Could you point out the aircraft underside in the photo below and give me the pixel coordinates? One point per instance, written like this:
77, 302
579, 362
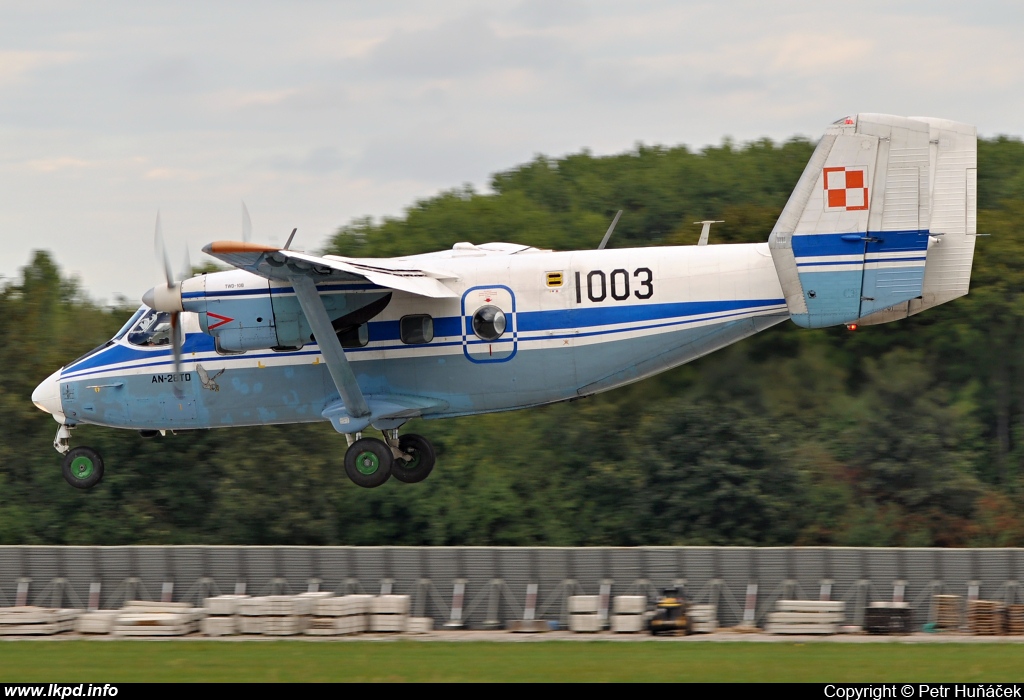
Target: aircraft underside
296, 387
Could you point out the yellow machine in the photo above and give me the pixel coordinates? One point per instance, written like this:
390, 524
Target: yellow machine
670, 614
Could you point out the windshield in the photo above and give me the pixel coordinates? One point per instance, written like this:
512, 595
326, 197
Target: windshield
154, 328
129, 323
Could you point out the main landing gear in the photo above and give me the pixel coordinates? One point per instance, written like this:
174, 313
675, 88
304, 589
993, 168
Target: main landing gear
370, 462
82, 466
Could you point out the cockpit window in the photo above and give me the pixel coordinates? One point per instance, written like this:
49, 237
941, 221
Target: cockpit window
131, 322
153, 329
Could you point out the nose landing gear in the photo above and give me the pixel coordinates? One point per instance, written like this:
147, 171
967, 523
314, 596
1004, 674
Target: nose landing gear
370, 462
82, 467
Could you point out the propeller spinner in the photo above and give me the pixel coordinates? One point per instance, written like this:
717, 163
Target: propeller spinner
167, 297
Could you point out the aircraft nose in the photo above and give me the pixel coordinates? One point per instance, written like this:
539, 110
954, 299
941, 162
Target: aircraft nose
46, 397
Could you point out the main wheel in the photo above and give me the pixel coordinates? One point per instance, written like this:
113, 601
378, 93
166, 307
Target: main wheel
82, 467
421, 464
368, 462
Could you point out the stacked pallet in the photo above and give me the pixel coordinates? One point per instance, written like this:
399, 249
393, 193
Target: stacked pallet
1015, 619
419, 625
342, 615
221, 615
947, 609
887, 618
96, 622
143, 618
986, 617
703, 618
29, 619
806, 617
628, 613
583, 613
310, 599
250, 615
389, 613
284, 615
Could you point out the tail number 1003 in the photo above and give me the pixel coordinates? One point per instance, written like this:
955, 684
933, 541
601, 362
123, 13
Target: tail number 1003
615, 284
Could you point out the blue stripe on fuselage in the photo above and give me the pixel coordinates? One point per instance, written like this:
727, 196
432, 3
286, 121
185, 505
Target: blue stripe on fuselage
568, 319
450, 326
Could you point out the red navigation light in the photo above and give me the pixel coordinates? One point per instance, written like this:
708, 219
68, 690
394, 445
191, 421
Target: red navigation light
851, 326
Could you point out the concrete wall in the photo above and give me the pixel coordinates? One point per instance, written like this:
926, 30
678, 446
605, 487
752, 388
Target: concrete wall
496, 577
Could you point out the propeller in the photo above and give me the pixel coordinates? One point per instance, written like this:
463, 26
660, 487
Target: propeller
246, 225
167, 297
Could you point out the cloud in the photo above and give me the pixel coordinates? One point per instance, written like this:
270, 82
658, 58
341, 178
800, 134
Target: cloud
544, 13
50, 165
461, 47
171, 74
15, 66
317, 161
436, 155
178, 174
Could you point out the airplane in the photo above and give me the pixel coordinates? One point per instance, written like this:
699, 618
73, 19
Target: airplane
880, 226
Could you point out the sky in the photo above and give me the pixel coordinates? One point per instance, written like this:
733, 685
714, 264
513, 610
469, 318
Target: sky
318, 112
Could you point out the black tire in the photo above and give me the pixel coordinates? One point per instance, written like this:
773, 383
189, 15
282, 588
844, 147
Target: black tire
368, 462
82, 467
422, 463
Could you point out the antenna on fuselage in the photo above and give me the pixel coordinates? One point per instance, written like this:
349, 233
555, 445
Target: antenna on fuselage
608, 233
706, 230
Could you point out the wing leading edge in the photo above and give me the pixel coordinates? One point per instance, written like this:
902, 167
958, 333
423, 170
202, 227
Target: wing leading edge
283, 265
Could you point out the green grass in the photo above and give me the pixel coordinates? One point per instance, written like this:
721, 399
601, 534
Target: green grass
296, 661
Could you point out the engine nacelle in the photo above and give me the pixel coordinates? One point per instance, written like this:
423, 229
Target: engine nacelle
244, 312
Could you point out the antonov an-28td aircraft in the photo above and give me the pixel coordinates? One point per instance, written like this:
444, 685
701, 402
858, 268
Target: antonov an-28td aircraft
881, 226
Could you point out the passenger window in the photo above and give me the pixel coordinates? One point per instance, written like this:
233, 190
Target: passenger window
153, 329
416, 330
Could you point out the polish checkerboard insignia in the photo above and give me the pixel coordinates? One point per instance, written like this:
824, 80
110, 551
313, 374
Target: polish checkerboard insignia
846, 188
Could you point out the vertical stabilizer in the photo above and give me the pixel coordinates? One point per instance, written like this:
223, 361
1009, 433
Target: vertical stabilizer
854, 236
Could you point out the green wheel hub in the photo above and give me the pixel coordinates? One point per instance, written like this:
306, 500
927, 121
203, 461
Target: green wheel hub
412, 464
82, 467
367, 463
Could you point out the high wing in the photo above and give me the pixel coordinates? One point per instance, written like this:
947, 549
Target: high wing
278, 264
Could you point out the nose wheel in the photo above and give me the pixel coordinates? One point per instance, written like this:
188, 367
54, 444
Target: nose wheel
82, 467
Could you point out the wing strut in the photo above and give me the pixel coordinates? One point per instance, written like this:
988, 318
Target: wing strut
330, 346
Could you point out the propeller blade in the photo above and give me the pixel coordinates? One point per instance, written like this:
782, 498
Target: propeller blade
246, 225
176, 343
186, 269
161, 251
